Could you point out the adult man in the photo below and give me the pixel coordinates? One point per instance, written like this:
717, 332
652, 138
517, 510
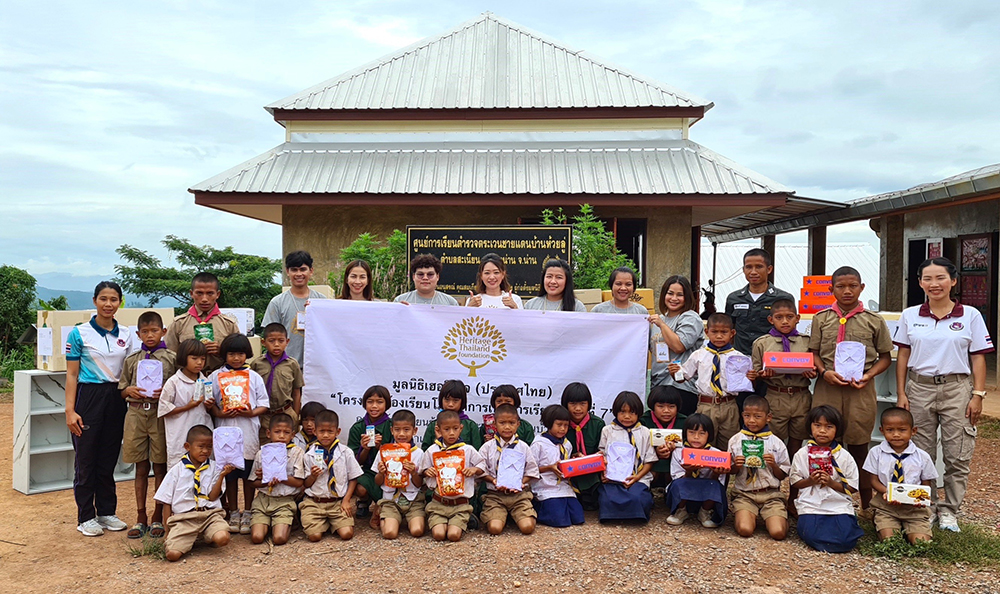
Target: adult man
426, 270
287, 307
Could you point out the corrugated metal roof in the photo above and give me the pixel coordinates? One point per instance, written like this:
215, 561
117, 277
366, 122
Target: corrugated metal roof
488, 62
796, 206
663, 167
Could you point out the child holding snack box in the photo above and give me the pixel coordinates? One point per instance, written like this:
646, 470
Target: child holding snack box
505, 394
365, 438
898, 464
555, 497
825, 475
329, 487
240, 399
761, 462
664, 403
183, 402
505, 493
585, 433
454, 396
450, 467
696, 488
274, 506
624, 494
307, 431
398, 476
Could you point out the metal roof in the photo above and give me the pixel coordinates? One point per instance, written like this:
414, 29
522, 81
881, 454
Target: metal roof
488, 62
661, 167
794, 207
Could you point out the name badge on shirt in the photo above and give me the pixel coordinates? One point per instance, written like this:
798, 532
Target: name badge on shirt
662, 352
300, 320
741, 306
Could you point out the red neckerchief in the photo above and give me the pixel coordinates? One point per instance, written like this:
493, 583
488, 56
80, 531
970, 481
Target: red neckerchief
580, 445
215, 312
660, 425
842, 331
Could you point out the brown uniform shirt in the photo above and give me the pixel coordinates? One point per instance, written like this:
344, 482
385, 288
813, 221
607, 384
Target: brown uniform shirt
771, 344
166, 357
182, 328
866, 327
287, 377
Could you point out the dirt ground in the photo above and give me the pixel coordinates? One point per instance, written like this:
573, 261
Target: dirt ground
41, 551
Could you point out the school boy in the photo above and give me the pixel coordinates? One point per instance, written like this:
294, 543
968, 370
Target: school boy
204, 310
448, 516
757, 485
407, 503
332, 478
307, 431
426, 271
499, 501
855, 400
274, 505
287, 307
282, 377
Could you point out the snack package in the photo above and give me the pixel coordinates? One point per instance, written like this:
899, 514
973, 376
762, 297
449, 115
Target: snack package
753, 453
820, 458
450, 480
234, 390
204, 332
394, 455
489, 426
658, 437
915, 495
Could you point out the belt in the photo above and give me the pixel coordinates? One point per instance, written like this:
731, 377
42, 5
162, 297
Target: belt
451, 501
936, 379
275, 411
791, 390
715, 399
324, 499
146, 405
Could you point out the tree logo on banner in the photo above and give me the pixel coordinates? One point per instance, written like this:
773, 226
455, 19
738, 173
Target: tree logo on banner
474, 343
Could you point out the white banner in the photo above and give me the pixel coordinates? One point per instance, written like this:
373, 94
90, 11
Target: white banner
412, 350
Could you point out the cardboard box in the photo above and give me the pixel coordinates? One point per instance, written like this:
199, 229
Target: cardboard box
794, 363
583, 465
819, 294
817, 281
706, 458
326, 290
811, 308
658, 437
915, 495
244, 316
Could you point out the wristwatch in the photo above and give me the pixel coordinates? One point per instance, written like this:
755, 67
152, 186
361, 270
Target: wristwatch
980, 393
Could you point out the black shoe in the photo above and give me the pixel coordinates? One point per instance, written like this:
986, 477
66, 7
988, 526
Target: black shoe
363, 511
473, 523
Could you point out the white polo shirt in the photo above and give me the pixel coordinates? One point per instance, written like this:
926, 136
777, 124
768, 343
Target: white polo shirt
942, 346
917, 466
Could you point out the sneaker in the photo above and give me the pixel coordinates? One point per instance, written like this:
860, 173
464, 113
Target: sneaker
677, 518
111, 523
947, 521
234, 522
90, 528
245, 523
705, 517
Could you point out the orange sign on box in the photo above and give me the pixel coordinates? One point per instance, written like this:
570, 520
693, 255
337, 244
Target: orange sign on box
811, 308
789, 362
706, 458
583, 465
816, 281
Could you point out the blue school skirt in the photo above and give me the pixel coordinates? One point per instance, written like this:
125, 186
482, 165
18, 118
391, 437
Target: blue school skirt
615, 502
696, 491
832, 534
559, 512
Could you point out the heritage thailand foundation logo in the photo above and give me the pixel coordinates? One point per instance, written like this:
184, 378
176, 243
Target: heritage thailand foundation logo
474, 343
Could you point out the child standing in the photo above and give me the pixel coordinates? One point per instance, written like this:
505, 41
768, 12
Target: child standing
376, 401
897, 460
203, 321
282, 377
507, 394
708, 366
235, 350
274, 506
307, 434
145, 439
555, 496
454, 396
585, 433
182, 402
664, 413
629, 499
333, 476
407, 504
448, 517
826, 519
855, 400
757, 484
499, 501
694, 487
190, 496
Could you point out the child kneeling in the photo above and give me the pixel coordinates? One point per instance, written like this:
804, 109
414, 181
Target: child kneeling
555, 496
407, 503
501, 500
274, 506
757, 482
333, 476
694, 489
631, 498
448, 515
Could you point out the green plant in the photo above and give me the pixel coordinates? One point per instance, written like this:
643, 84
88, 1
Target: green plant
146, 546
989, 428
59, 303
974, 545
17, 297
17, 358
388, 263
595, 254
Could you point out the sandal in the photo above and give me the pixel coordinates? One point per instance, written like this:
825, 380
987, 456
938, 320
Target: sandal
373, 521
137, 531
156, 530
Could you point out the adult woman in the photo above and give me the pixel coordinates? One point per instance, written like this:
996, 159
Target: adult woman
357, 283
95, 410
622, 284
556, 293
681, 329
493, 290
940, 344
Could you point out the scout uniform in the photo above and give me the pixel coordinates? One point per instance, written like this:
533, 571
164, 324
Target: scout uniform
557, 502
525, 432
694, 490
714, 398
250, 426
383, 427
453, 511
182, 328
192, 513
750, 315
470, 433
756, 490
826, 519
787, 394
321, 507
179, 390
497, 505
859, 407
145, 438
912, 466
273, 506
648, 420
403, 504
616, 501
586, 437
281, 378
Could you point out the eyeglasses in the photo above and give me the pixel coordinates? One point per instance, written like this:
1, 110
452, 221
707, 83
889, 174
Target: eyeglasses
424, 274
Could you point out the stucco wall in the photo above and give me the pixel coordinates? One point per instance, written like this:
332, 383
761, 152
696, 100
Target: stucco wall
952, 221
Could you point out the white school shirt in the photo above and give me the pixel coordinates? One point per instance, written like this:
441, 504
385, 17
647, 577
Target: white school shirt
472, 459
178, 391
295, 468
177, 488
765, 478
491, 458
411, 492
942, 347
699, 366
249, 425
917, 466
677, 471
496, 302
819, 499
613, 432
548, 485
300, 440
345, 469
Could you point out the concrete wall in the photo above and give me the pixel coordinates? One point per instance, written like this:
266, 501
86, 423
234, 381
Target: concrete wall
952, 221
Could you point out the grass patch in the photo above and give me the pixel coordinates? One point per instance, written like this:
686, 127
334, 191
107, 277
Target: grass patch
16, 359
989, 428
974, 546
146, 546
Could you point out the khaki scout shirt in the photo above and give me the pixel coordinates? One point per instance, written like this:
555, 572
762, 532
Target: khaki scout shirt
866, 327
772, 344
166, 357
182, 328
287, 377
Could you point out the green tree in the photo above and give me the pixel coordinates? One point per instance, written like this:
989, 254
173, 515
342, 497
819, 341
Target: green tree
59, 303
595, 254
17, 296
246, 280
388, 263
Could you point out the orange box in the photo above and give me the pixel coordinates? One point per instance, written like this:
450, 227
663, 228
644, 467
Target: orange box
706, 458
583, 465
789, 362
816, 294
811, 308
818, 280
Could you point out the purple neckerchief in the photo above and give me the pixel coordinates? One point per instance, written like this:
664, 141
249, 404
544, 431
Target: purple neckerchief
462, 416
368, 420
150, 351
273, 364
786, 345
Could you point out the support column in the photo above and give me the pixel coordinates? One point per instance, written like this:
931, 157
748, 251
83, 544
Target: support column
816, 258
767, 242
696, 259
892, 276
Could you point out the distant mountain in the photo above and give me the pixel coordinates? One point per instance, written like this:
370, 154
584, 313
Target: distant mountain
85, 299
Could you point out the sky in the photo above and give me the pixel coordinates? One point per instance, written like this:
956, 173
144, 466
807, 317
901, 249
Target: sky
111, 111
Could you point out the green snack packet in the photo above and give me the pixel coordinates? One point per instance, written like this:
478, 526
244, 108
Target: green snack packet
204, 332
753, 453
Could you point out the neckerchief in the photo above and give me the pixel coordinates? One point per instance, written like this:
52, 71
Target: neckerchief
150, 351
842, 331
898, 476
834, 448
694, 472
455, 446
231, 368
368, 420
306, 438
274, 364
197, 470
211, 314
631, 440
581, 446
328, 460
752, 472
564, 454
462, 416
659, 425
786, 344
500, 446
717, 366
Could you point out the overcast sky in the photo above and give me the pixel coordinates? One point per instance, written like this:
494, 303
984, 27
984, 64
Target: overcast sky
112, 110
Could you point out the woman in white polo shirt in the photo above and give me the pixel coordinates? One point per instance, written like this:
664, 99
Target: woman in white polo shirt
941, 344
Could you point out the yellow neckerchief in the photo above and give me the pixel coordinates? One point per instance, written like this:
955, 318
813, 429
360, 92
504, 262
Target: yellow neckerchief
455, 446
500, 446
752, 472
309, 440
695, 472
564, 454
898, 475
717, 366
834, 448
328, 460
197, 470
